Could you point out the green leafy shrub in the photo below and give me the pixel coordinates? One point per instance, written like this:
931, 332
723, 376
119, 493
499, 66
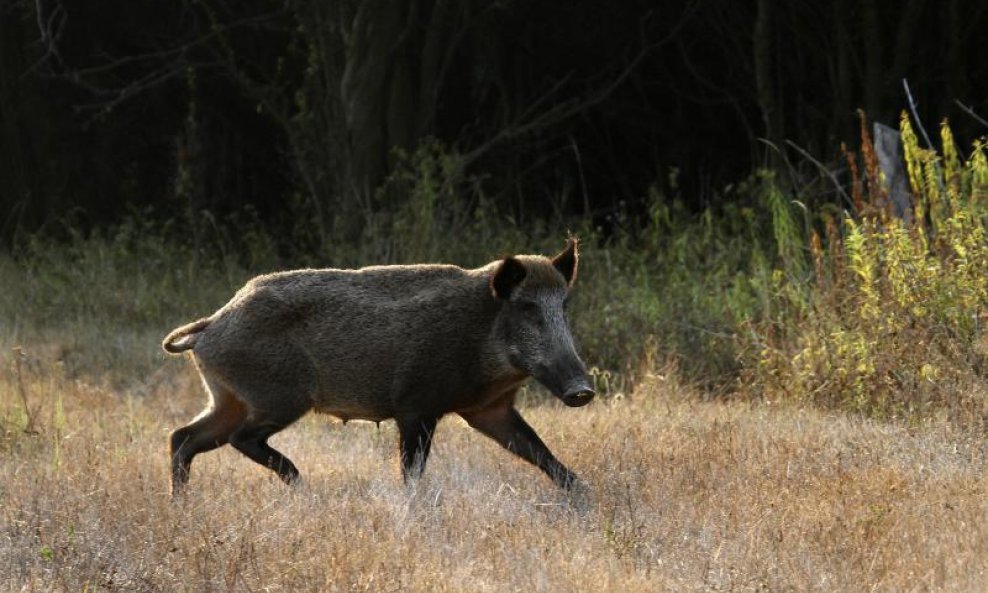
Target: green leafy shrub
893, 326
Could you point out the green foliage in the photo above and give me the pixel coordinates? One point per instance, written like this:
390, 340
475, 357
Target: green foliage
674, 290
894, 323
683, 289
426, 197
865, 312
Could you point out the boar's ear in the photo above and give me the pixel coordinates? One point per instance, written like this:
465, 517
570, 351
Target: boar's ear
566, 262
507, 277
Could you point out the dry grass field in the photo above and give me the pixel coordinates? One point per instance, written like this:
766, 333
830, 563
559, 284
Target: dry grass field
683, 495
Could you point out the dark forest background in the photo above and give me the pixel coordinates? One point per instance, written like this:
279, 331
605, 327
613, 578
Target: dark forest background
300, 109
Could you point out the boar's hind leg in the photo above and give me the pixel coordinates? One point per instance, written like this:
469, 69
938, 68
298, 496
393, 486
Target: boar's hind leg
504, 424
208, 431
251, 439
415, 436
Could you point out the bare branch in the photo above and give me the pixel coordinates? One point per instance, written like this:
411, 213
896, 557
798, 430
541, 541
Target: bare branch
51, 29
531, 119
172, 62
806, 155
128, 92
912, 108
970, 111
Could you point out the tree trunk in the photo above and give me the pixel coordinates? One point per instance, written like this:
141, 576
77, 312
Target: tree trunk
843, 79
764, 78
395, 66
871, 37
367, 80
958, 84
19, 176
317, 135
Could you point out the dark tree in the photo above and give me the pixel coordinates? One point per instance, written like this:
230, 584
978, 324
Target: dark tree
295, 108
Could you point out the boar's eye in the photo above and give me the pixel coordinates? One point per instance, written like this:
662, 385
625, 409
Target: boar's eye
530, 311
529, 307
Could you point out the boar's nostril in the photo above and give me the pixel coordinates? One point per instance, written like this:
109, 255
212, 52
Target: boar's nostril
578, 397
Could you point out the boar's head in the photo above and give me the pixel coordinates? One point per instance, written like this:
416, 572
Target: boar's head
532, 325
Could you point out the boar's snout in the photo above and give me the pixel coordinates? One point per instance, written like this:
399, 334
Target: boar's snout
564, 374
575, 391
579, 396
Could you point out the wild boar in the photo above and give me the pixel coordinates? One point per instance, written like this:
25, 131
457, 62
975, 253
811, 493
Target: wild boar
408, 342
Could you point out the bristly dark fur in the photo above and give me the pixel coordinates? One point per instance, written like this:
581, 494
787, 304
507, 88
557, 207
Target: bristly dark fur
411, 343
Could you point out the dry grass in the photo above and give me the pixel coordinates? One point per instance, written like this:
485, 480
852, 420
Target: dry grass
684, 495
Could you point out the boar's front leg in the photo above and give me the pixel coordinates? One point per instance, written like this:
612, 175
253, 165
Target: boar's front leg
415, 434
504, 424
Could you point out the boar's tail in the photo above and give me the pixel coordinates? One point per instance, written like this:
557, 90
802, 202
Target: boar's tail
184, 338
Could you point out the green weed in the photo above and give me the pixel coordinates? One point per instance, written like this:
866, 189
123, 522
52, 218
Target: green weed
893, 326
